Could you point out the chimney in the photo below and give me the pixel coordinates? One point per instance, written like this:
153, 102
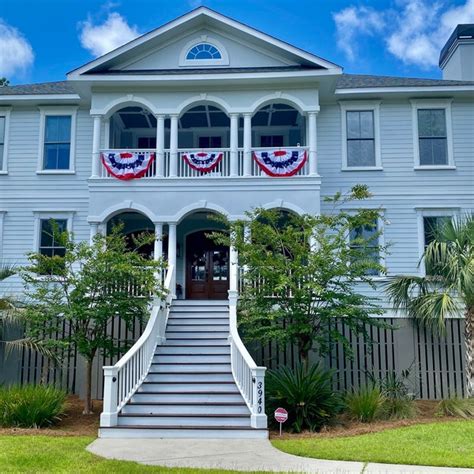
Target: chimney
457, 57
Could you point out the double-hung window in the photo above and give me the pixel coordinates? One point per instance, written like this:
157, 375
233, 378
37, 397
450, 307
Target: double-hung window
432, 134
57, 136
360, 135
48, 242
365, 241
4, 122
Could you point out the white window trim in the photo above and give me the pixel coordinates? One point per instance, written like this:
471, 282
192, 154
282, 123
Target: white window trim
361, 105
430, 212
224, 61
65, 111
2, 217
5, 112
445, 104
43, 215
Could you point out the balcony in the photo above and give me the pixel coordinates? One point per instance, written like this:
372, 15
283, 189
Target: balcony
169, 166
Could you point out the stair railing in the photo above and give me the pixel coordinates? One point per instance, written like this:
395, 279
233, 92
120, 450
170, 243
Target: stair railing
122, 380
249, 377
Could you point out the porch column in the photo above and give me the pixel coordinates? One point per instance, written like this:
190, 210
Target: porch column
247, 144
158, 247
94, 231
160, 145
234, 145
233, 269
96, 147
172, 255
174, 146
312, 143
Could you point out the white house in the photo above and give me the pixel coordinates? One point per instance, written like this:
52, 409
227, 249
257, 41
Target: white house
208, 115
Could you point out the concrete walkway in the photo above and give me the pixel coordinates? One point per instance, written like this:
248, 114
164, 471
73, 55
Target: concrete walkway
240, 455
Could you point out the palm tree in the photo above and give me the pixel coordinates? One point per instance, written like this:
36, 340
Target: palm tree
448, 287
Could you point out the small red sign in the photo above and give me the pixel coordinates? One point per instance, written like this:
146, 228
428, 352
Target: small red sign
281, 415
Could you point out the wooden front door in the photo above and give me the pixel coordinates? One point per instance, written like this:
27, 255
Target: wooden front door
207, 268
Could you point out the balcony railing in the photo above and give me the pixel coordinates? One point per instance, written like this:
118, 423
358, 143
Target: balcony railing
181, 169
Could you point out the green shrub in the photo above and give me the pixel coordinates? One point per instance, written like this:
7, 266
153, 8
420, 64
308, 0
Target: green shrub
31, 406
398, 408
459, 407
307, 395
365, 404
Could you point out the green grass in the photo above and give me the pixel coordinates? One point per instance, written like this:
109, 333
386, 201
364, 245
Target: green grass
449, 444
46, 454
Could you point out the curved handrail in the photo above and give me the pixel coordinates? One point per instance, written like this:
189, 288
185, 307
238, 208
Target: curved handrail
122, 380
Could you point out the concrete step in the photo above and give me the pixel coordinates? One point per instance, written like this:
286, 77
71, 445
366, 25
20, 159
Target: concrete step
193, 350
187, 387
196, 342
192, 310
188, 419
194, 377
209, 408
191, 359
201, 432
182, 397
177, 303
172, 335
190, 367
196, 328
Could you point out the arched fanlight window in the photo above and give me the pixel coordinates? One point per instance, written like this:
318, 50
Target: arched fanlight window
204, 51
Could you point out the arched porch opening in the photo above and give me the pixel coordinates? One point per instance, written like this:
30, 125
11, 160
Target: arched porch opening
203, 127
202, 264
132, 225
278, 124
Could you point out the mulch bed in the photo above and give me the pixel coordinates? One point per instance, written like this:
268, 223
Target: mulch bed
347, 427
73, 423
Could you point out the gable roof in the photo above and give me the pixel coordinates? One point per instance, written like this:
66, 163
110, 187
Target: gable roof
204, 15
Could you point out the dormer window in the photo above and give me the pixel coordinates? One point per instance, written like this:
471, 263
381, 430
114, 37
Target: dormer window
203, 51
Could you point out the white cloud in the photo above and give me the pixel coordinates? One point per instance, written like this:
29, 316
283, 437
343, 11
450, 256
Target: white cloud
101, 38
16, 53
423, 28
414, 33
353, 22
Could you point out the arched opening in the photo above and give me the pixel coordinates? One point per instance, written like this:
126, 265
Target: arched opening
133, 224
203, 272
278, 125
203, 127
132, 127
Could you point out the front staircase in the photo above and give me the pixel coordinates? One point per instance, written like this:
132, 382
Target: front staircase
189, 390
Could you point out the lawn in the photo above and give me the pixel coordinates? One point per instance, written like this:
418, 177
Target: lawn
66, 454
448, 444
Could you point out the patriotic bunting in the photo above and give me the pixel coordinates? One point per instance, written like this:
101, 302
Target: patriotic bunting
280, 163
203, 161
127, 165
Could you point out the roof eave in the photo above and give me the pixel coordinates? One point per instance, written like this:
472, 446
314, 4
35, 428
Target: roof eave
403, 89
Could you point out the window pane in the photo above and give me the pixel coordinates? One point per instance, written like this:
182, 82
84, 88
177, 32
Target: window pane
360, 153
433, 151
46, 237
431, 225
50, 157
438, 123
367, 124
1, 157
424, 123
353, 125
369, 248
58, 128
2, 130
63, 156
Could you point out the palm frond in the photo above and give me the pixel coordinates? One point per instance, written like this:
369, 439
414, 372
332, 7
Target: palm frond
30, 344
6, 270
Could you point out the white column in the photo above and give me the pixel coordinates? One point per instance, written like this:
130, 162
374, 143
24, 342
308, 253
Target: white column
172, 242
96, 147
94, 231
234, 145
312, 143
233, 269
247, 144
160, 145
158, 247
109, 415
174, 146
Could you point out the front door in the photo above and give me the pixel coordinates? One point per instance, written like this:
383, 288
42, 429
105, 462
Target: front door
207, 268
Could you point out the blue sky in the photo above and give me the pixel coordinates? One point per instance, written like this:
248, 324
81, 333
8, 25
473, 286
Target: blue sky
43, 40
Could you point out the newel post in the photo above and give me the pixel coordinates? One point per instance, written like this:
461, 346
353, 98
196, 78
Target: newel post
258, 418
109, 414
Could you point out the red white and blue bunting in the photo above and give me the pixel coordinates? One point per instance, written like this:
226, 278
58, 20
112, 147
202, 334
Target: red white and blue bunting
204, 161
280, 163
127, 165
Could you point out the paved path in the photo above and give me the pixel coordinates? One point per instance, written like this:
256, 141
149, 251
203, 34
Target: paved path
239, 454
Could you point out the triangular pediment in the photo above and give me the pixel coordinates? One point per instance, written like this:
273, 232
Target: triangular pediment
203, 40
